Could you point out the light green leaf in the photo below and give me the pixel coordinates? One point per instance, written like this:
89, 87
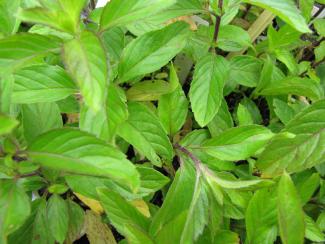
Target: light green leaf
221, 121
151, 180
42, 83
296, 86
120, 212
58, 217
159, 19
207, 87
31, 46
284, 112
286, 10
261, 218
243, 115
173, 107
298, 153
85, 59
306, 184
14, 207
319, 25
228, 181
77, 152
245, 70
144, 131
114, 42
140, 56
148, 90
313, 232
117, 111
233, 38
192, 209
123, 12
290, 214
39, 118
7, 124
306, 7
176, 202
36, 228
238, 143
60, 14
6, 87
8, 22
320, 52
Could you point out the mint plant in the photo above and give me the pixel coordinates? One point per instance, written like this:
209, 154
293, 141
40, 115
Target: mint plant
162, 121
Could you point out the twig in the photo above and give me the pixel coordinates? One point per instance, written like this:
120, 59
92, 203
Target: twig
29, 175
196, 161
218, 22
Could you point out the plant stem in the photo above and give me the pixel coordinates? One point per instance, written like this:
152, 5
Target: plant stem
218, 22
196, 161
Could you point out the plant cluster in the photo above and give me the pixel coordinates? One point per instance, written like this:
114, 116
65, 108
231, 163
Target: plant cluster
162, 121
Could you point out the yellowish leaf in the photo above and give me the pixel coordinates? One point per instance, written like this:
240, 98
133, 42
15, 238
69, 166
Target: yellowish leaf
91, 203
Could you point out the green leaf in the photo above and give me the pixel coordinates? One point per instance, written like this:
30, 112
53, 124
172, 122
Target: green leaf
226, 236
7, 124
14, 207
313, 232
261, 218
306, 184
221, 121
48, 117
158, 20
31, 46
320, 52
59, 14
294, 85
237, 143
284, 112
149, 90
8, 22
123, 12
290, 214
58, 217
36, 228
117, 110
286, 10
144, 131
228, 181
176, 202
76, 221
173, 107
306, 7
151, 180
233, 38
319, 26
85, 59
120, 212
243, 115
245, 70
114, 42
41, 84
6, 87
104, 123
140, 55
207, 87
188, 214
300, 152
77, 152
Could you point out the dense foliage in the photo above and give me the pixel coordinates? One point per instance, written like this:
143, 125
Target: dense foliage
162, 121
